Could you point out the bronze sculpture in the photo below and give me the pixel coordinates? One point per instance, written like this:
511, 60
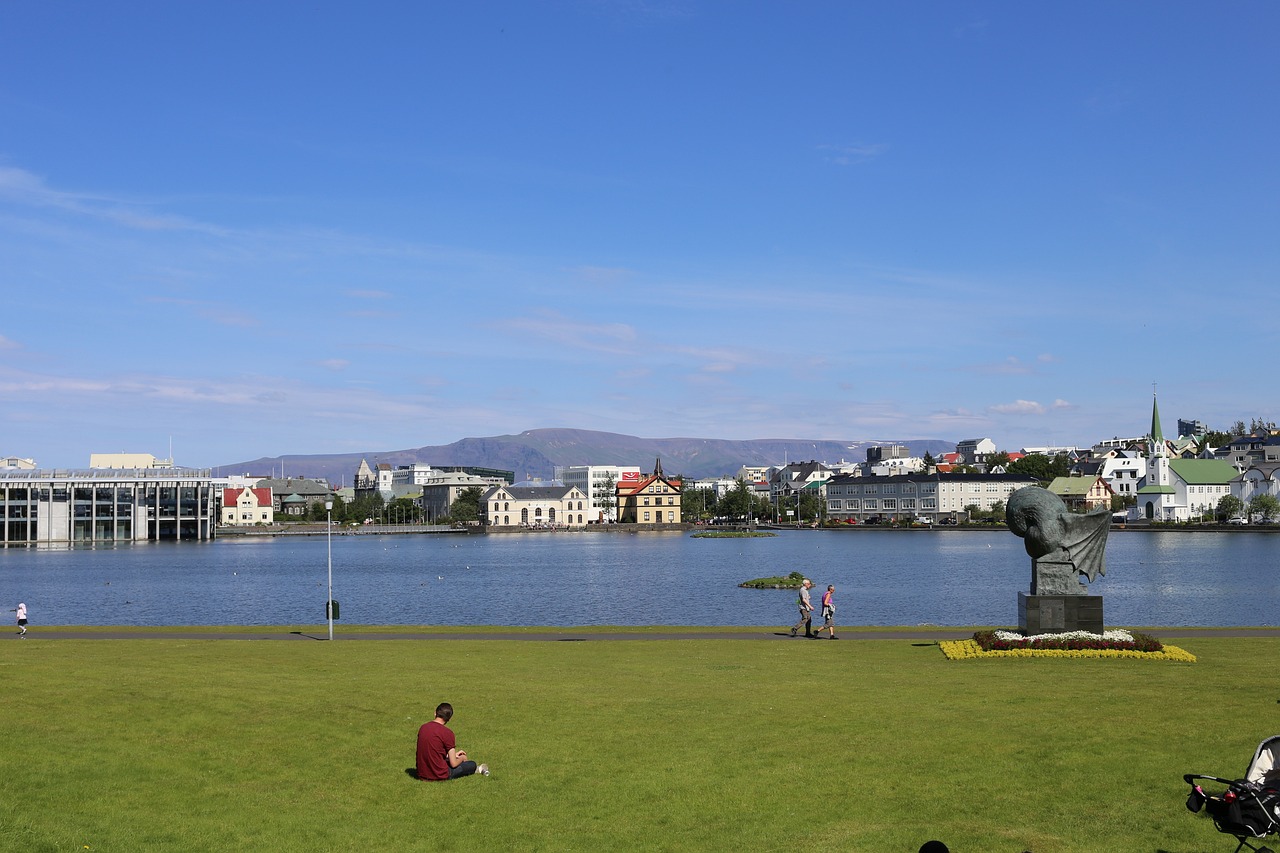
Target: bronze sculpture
1062, 545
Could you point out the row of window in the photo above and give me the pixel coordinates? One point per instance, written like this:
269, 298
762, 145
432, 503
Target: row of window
882, 503
671, 517
506, 507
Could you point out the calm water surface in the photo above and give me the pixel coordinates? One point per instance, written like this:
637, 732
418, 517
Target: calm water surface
881, 578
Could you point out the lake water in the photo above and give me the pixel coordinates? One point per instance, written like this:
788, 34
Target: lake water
567, 579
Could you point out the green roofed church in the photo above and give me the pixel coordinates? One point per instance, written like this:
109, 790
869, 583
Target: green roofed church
1180, 489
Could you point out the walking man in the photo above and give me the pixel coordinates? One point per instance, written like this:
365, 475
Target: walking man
806, 610
829, 612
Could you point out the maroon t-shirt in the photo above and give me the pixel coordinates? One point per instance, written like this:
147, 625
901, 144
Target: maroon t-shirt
434, 742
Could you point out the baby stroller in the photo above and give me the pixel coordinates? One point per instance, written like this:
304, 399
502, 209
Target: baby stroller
1250, 807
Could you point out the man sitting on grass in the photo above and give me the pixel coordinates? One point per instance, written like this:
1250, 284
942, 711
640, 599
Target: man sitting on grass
438, 756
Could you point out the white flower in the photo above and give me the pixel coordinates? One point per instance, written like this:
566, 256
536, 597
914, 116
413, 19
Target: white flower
1115, 635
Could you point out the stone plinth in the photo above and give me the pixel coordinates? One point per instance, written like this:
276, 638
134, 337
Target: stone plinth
1055, 614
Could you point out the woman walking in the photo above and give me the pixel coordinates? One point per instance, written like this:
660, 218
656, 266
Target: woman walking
828, 613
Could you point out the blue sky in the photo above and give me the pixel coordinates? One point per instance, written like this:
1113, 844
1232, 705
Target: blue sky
256, 229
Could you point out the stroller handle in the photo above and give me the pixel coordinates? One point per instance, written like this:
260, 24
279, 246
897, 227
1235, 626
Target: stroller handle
1190, 779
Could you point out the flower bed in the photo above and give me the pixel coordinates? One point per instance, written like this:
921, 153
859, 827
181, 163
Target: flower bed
1075, 644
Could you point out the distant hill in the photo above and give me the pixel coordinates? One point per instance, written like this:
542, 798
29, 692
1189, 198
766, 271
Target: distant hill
537, 452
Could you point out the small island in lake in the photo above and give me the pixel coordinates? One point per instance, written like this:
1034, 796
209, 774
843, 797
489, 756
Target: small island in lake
791, 581
731, 534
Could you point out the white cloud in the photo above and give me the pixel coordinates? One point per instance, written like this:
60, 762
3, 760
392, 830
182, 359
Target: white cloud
1018, 407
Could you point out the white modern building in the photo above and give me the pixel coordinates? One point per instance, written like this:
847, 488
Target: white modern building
594, 482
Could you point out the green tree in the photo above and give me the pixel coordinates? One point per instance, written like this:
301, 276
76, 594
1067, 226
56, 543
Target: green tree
1238, 429
737, 503
1265, 505
466, 506
1217, 439
929, 461
999, 459
698, 504
319, 513
1041, 467
606, 496
1230, 506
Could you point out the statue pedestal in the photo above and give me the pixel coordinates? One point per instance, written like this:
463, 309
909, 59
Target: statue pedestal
1055, 614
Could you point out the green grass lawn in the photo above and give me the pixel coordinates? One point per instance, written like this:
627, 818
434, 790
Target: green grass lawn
873, 745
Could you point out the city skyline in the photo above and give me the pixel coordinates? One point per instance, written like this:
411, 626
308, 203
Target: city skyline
249, 231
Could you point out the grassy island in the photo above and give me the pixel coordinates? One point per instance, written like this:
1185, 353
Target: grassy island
791, 581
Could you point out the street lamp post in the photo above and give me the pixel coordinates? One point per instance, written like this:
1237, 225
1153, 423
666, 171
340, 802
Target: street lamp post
328, 514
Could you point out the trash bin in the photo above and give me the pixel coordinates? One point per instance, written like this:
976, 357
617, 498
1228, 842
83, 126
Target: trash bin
334, 604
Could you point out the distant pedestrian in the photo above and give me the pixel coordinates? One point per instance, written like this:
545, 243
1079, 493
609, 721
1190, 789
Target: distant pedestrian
806, 610
21, 610
828, 613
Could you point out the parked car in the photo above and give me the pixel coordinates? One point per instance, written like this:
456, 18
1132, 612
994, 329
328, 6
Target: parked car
1237, 520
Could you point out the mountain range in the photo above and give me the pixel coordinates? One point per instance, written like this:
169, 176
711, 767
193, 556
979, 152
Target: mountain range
536, 453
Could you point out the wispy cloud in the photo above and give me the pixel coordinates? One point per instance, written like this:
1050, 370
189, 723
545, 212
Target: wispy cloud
215, 312
8, 343
614, 338
1011, 366
368, 294
24, 187
601, 275
849, 155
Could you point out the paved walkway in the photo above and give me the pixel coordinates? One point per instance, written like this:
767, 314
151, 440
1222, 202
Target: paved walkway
920, 635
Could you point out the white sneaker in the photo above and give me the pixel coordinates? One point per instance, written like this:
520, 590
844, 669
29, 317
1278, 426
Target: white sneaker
483, 769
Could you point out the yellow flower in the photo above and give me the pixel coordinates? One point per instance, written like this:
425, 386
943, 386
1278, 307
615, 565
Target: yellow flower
969, 649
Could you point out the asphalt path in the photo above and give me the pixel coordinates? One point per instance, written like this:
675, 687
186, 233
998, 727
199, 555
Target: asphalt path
927, 635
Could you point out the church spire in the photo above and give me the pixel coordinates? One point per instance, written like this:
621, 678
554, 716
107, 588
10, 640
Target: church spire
657, 468
1157, 434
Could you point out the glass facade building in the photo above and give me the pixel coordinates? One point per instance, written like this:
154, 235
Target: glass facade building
103, 505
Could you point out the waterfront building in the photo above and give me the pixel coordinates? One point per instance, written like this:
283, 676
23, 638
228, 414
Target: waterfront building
1082, 493
653, 500
594, 482
442, 488
1122, 469
927, 497
533, 504
1261, 478
247, 505
85, 506
1179, 489
295, 496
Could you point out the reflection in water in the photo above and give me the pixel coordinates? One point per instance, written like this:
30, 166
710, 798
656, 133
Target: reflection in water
881, 577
